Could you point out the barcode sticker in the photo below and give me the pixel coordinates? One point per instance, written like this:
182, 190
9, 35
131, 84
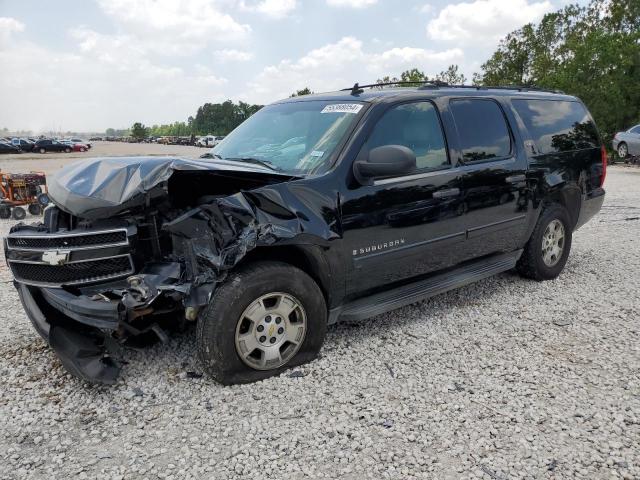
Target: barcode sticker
342, 108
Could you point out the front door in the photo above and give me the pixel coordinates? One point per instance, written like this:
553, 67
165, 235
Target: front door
402, 227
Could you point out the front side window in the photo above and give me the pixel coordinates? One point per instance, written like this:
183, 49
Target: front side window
298, 138
482, 129
557, 126
416, 126
635, 130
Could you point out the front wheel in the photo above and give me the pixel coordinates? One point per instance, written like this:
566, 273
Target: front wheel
42, 150
547, 251
67, 150
263, 319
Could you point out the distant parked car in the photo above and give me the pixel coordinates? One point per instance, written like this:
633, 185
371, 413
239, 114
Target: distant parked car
75, 146
83, 142
209, 141
627, 143
95, 139
44, 146
8, 148
23, 144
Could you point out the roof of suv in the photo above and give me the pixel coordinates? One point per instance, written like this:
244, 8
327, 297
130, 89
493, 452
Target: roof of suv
374, 95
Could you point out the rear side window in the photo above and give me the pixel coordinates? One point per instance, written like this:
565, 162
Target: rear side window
482, 129
557, 126
416, 126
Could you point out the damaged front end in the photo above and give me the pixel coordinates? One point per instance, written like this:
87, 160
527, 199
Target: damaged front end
132, 247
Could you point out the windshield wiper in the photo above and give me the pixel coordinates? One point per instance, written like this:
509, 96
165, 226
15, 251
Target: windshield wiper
210, 155
257, 161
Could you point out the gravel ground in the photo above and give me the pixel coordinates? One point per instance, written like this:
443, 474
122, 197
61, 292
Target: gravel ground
506, 378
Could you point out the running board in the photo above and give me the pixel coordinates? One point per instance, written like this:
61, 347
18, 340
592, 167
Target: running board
407, 294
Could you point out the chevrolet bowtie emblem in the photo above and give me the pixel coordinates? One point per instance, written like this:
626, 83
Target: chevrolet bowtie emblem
55, 257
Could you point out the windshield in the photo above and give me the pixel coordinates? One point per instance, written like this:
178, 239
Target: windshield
298, 138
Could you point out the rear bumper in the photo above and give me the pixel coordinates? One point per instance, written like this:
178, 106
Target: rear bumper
591, 205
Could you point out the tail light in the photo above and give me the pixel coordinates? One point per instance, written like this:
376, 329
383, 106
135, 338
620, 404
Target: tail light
603, 175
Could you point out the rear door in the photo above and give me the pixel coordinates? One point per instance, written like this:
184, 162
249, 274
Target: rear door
494, 183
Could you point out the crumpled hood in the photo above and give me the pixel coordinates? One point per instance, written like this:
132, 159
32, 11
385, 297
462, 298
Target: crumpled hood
102, 187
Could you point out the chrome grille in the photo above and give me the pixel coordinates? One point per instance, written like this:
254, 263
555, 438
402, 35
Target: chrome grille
68, 241
69, 258
72, 273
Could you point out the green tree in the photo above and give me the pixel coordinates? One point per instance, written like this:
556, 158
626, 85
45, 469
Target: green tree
590, 51
452, 76
299, 93
139, 131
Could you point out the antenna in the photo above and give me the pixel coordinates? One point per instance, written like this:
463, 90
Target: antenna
356, 90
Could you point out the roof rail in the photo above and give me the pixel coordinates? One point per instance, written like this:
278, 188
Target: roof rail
428, 84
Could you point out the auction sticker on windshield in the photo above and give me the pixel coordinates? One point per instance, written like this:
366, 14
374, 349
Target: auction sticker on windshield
342, 108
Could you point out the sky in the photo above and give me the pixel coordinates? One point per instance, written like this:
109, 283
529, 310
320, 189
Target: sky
86, 65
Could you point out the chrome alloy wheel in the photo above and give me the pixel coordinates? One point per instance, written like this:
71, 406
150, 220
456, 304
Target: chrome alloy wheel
622, 150
270, 331
553, 243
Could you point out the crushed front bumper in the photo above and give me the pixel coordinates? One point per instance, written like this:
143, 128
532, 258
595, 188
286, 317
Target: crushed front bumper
87, 327
85, 350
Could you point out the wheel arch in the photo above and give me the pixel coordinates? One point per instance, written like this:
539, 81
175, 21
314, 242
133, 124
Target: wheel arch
568, 196
310, 259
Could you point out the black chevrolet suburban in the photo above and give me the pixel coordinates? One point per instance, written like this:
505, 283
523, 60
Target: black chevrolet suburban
316, 209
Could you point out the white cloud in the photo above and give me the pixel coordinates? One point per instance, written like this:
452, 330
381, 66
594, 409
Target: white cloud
484, 21
9, 26
169, 26
341, 64
107, 82
271, 8
351, 3
232, 55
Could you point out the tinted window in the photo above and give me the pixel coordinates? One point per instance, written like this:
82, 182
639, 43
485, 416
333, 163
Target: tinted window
416, 126
557, 126
635, 129
482, 129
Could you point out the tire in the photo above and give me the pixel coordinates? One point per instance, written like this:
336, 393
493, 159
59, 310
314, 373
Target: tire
18, 213
42, 150
5, 211
35, 209
67, 150
221, 325
534, 263
623, 150
82, 149
43, 199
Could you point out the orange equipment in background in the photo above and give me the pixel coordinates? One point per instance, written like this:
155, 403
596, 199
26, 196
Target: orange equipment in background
19, 189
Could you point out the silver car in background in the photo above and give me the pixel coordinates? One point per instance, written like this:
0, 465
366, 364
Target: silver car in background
627, 143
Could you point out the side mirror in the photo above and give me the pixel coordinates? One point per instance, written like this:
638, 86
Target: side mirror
385, 161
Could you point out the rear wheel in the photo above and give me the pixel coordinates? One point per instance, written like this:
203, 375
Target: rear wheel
546, 252
623, 150
67, 150
42, 150
18, 213
263, 319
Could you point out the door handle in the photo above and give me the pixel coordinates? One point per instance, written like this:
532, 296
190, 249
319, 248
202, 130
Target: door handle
516, 179
452, 192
